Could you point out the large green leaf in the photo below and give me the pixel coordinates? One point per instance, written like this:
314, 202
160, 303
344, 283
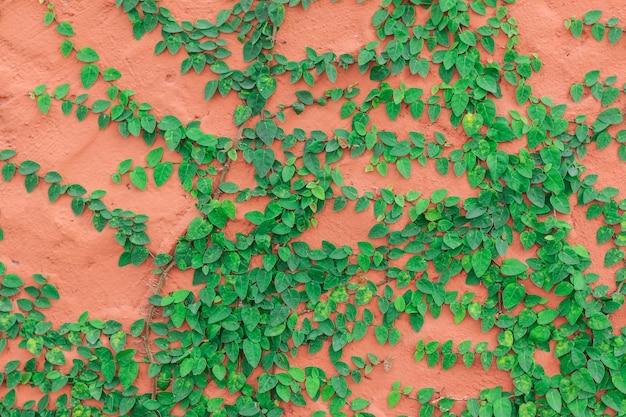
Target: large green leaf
512, 266
198, 228
512, 295
89, 75
263, 159
481, 260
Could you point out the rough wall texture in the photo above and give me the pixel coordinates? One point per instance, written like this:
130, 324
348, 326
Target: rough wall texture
45, 238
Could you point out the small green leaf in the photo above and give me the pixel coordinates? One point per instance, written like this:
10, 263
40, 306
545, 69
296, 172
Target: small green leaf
611, 116
89, 75
378, 230
481, 260
12, 281
111, 74
576, 91
162, 172
404, 167
613, 256
87, 54
210, 89
263, 159
55, 356
139, 178
28, 167
347, 109
198, 228
358, 404
592, 16
266, 85
154, 157
43, 102
65, 29
512, 295
512, 266
242, 113
591, 77
502, 407
393, 398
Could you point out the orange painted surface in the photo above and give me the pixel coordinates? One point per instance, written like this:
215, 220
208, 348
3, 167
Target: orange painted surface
47, 238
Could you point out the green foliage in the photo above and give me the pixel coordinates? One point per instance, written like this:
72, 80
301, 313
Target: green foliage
598, 27
260, 297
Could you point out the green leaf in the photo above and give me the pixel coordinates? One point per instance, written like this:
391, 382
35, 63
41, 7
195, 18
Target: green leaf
263, 159
615, 33
111, 74
12, 281
266, 85
591, 77
592, 16
604, 234
305, 97
502, 407
487, 83
393, 398
198, 228
560, 203
598, 321
87, 54
512, 266
497, 164
43, 102
378, 230
162, 172
139, 178
481, 260
49, 291
242, 113
613, 256
7, 154
169, 122
65, 29
425, 394
472, 123
340, 386
210, 89
576, 27
576, 91
347, 109
553, 397
55, 356
523, 93
512, 295
128, 373
100, 105
597, 31
611, 116
154, 157
252, 351
89, 75
266, 130
404, 167
67, 47
358, 404
28, 167
379, 73
554, 182
618, 377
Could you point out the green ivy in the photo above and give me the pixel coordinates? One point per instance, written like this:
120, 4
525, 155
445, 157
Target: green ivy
259, 298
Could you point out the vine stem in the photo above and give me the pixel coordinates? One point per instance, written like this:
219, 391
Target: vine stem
226, 167
149, 318
164, 274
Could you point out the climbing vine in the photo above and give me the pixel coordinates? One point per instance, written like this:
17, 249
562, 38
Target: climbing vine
225, 344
